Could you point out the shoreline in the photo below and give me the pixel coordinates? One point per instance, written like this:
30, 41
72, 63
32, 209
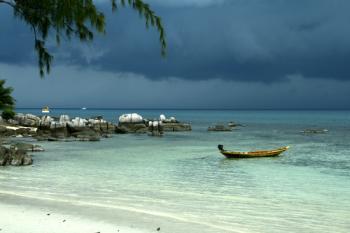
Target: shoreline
87, 217
42, 215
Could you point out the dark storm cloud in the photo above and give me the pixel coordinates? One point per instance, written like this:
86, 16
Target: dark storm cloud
71, 87
16, 41
257, 40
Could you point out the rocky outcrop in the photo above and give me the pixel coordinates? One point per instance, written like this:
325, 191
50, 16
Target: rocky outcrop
64, 128
27, 160
176, 126
29, 120
10, 130
45, 121
130, 118
48, 128
6, 132
76, 129
3, 156
83, 133
102, 127
132, 128
14, 157
173, 125
131, 123
135, 123
26, 147
233, 124
120, 130
58, 130
155, 128
219, 127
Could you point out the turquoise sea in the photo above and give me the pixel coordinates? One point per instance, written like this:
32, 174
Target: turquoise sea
181, 178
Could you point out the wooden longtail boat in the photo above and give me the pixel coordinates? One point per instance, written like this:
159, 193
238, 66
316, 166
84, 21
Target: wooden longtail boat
252, 154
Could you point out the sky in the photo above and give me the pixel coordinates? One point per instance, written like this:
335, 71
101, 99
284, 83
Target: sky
229, 54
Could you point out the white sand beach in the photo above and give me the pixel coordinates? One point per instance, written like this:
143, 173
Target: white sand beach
27, 214
24, 219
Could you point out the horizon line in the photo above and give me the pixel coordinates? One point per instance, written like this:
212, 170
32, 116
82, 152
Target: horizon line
199, 109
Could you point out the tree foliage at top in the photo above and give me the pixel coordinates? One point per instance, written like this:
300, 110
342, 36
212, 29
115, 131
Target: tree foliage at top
72, 18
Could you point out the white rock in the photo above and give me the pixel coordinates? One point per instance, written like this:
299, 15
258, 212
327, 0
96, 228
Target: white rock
64, 119
78, 122
55, 124
162, 117
97, 121
46, 120
130, 118
92, 121
32, 117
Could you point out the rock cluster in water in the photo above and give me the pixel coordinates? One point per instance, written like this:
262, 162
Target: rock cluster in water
16, 154
224, 127
219, 127
64, 128
77, 128
134, 123
61, 128
15, 157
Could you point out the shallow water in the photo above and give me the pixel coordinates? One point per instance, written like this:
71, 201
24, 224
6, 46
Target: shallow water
182, 175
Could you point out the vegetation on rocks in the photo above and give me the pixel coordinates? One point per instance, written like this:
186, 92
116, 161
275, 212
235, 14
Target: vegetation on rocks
7, 102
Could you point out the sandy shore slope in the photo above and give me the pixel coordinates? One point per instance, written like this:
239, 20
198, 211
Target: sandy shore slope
24, 219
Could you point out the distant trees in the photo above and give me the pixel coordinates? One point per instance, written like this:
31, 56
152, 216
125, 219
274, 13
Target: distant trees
6, 101
72, 18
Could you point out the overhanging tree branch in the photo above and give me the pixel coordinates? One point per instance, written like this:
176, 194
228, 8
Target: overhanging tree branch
78, 18
44, 57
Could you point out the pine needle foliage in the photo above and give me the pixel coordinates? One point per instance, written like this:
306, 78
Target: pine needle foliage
73, 19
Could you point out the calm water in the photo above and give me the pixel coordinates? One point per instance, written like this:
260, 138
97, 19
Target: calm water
182, 176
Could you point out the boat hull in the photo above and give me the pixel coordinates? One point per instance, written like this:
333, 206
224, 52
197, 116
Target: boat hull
253, 154
45, 109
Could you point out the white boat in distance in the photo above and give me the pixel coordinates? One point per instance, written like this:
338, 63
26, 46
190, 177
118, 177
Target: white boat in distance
45, 109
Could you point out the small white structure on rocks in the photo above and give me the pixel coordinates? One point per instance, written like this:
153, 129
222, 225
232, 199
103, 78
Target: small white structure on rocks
130, 118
